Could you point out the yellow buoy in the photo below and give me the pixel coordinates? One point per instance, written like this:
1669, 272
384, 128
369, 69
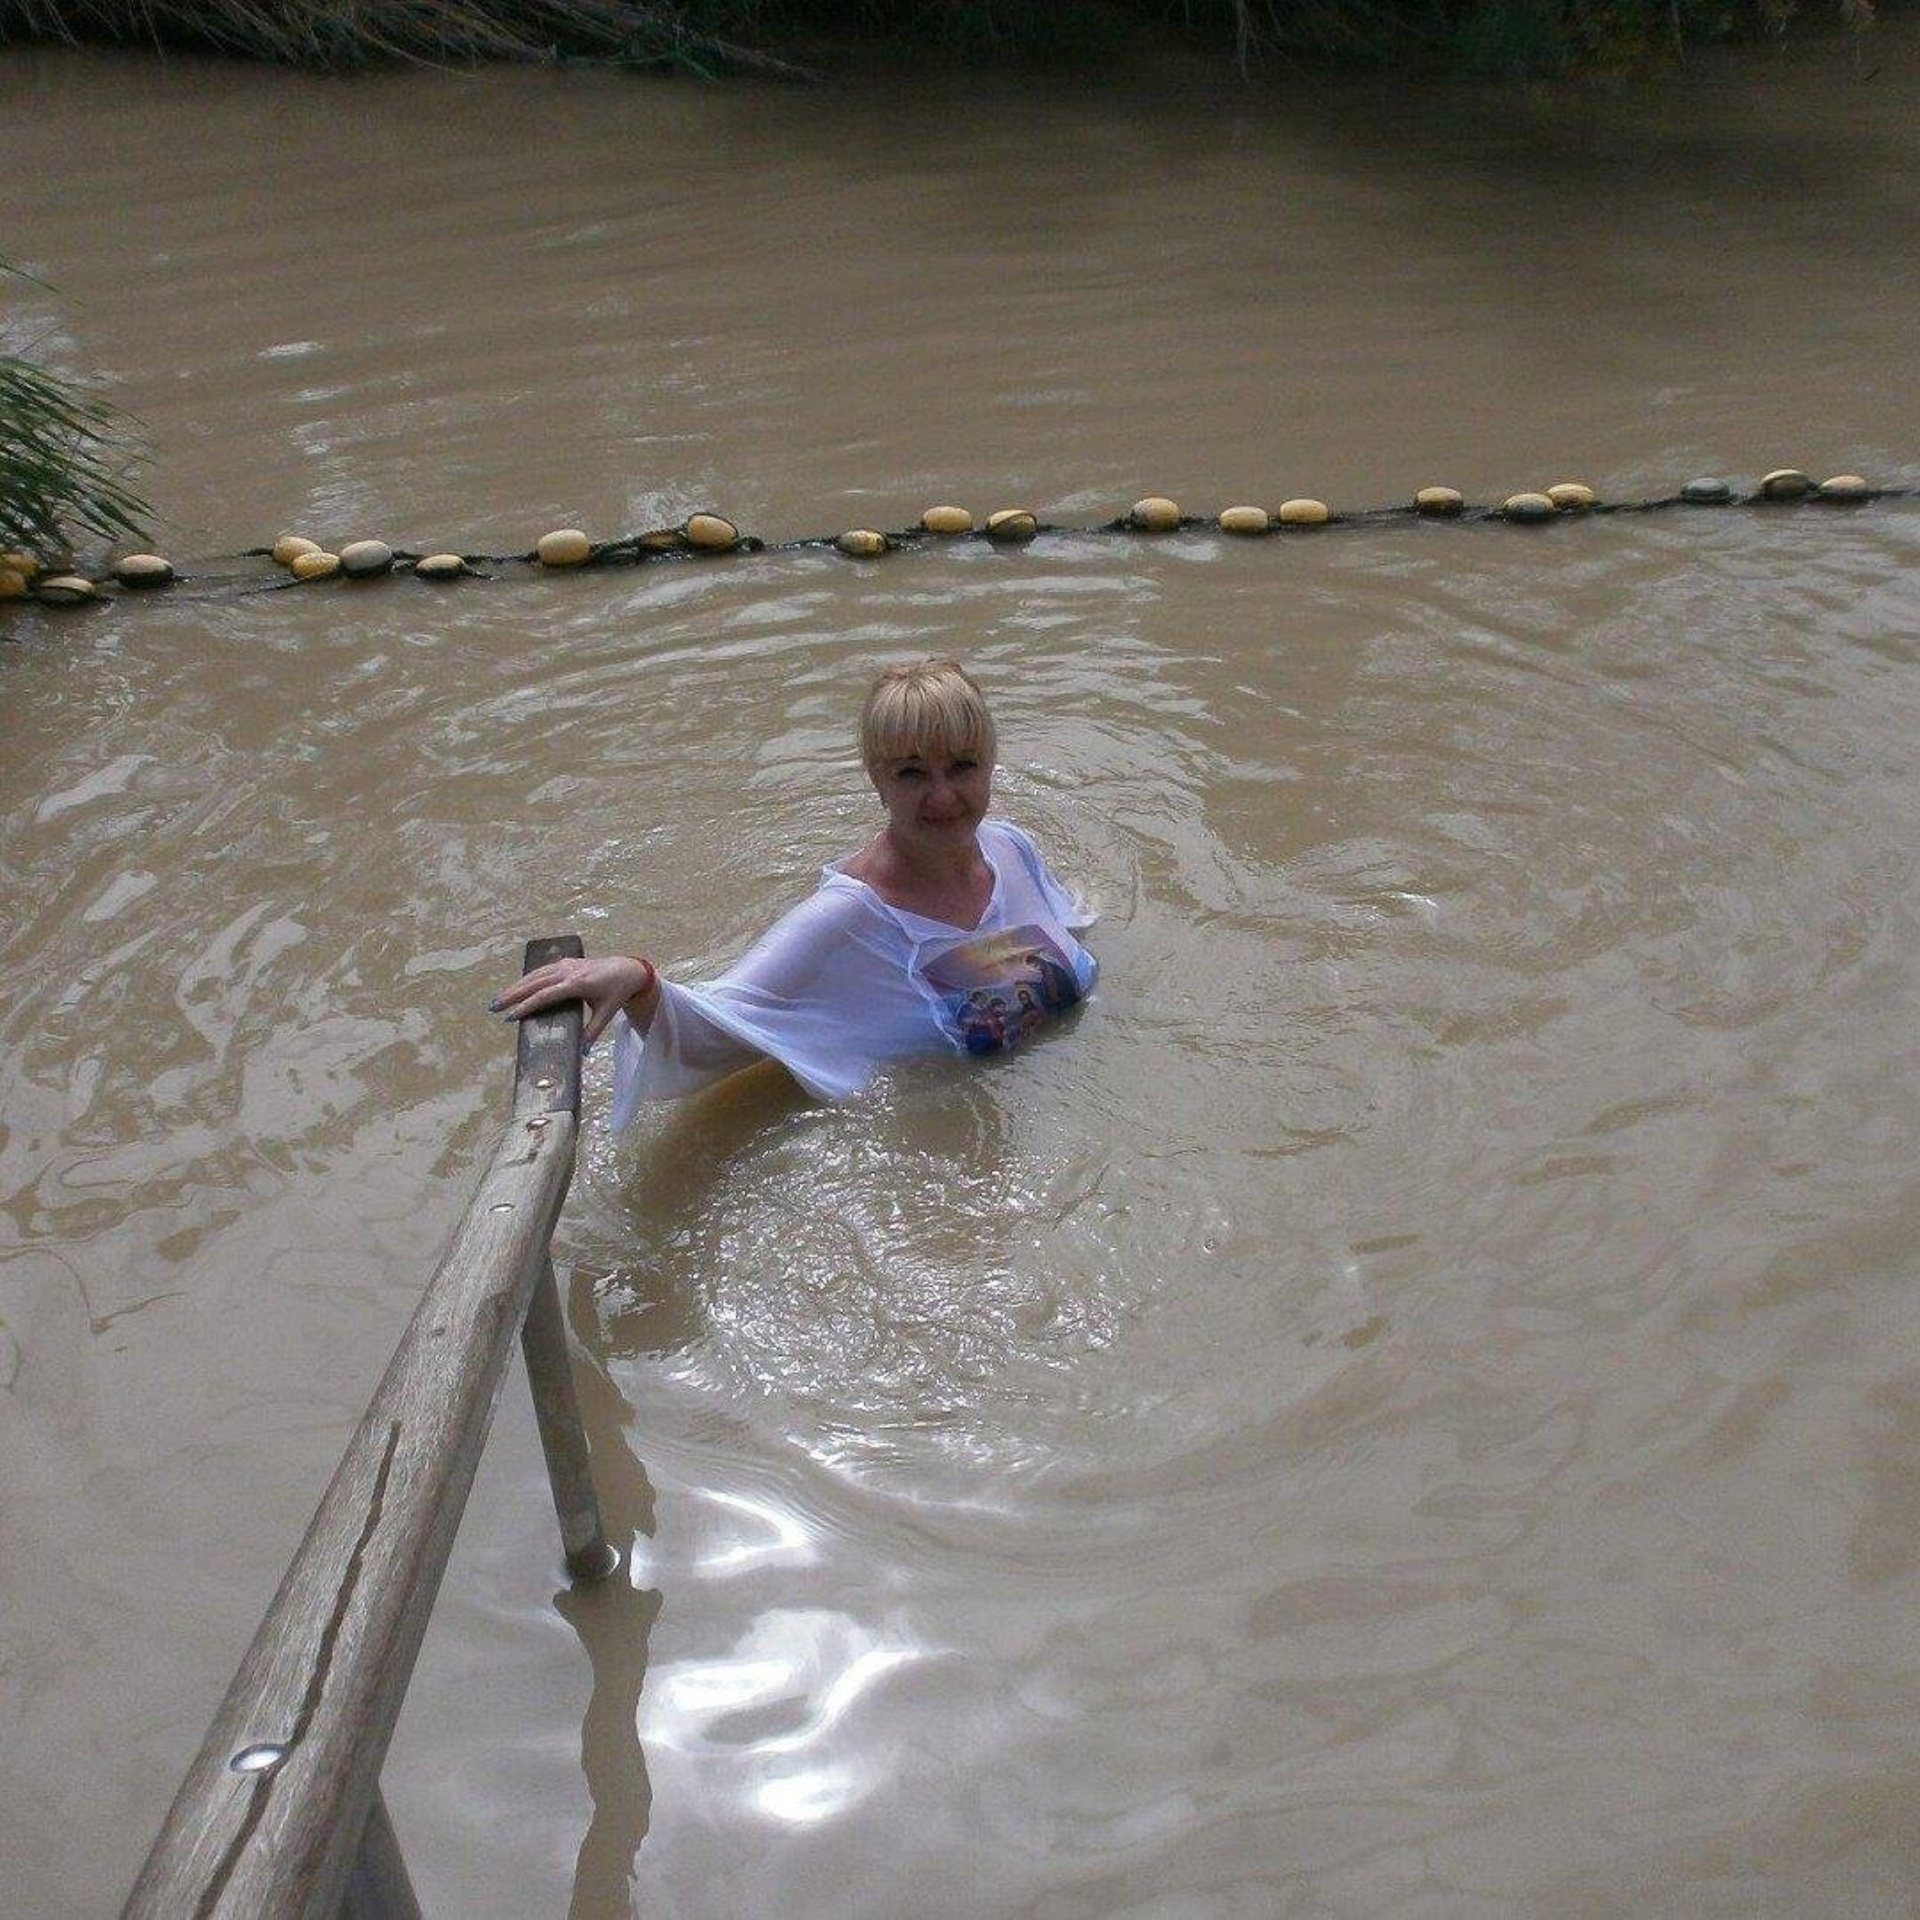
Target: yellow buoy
13, 584
1154, 515
1571, 497
947, 520
1785, 483
709, 532
317, 565
1844, 486
564, 547
21, 562
862, 543
1245, 520
1304, 513
1012, 524
1438, 500
290, 546
1528, 506
440, 566
143, 570
66, 589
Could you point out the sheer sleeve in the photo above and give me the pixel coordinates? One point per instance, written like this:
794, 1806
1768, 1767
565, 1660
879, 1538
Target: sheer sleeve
824, 992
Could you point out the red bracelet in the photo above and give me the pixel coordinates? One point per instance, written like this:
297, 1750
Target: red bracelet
652, 979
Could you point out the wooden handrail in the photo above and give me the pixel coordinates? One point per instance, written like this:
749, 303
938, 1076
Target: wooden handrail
280, 1814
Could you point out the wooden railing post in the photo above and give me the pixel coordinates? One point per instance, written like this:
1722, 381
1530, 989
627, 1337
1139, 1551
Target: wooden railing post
547, 1079
379, 1887
563, 1434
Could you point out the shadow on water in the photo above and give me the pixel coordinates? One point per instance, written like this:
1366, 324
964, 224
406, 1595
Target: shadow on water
614, 1619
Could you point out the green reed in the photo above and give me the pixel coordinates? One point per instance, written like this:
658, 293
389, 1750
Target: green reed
64, 458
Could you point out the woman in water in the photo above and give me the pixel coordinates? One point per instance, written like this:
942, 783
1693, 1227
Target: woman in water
928, 939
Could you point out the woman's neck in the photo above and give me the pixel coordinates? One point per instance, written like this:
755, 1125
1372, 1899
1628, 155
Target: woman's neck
934, 866
954, 885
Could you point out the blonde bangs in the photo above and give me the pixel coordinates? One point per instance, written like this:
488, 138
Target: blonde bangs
931, 708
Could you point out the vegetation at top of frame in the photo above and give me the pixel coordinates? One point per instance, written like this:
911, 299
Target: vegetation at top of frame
64, 456
1508, 39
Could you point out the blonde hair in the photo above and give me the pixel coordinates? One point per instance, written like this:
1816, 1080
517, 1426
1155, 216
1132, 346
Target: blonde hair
924, 707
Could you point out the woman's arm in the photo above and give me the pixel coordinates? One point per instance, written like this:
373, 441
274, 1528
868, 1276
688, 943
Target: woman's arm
619, 981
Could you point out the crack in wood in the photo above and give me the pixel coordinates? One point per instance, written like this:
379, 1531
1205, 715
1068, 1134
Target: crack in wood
316, 1683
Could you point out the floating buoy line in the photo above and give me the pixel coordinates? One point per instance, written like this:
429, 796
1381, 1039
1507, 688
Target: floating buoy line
30, 580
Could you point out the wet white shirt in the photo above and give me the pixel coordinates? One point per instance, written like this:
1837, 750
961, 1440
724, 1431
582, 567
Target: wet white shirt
845, 983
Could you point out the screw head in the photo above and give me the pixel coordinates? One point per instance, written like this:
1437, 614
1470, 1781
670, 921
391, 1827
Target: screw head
263, 1756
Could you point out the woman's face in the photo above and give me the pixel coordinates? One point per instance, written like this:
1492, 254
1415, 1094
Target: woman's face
933, 798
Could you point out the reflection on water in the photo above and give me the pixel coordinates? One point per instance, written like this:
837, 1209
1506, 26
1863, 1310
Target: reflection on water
1404, 1405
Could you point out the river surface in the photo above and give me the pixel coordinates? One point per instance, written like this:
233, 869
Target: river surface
1409, 1403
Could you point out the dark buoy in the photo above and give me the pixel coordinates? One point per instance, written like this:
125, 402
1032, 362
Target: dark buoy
1526, 509
1706, 493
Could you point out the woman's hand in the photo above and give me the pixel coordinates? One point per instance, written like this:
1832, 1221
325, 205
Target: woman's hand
605, 985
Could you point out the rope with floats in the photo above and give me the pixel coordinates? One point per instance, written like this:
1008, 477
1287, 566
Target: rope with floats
25, 578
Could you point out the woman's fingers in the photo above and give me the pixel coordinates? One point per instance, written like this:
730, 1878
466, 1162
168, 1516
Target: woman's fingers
603, 984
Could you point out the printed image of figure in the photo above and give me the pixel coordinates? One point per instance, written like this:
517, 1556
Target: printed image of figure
1000, 991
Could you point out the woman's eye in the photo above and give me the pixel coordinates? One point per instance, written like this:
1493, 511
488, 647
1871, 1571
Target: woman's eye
965, 766
910, 773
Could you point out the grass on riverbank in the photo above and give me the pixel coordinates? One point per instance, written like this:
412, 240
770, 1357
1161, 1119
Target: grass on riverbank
64, 459
796, 38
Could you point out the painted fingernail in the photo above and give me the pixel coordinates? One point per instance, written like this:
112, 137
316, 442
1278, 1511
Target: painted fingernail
495, 1004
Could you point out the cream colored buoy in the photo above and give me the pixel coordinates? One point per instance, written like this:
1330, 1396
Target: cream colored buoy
1012, 524
1438, 500
65, 589
440, 566
1154, 515
290, 546
13, 584
947, 520
1846, 487
365, 559
1528, 507
1785, 483
1245, 520
143, 570
1304, 513
1570, 496
564, 547
709, 532
317, 565
861, 543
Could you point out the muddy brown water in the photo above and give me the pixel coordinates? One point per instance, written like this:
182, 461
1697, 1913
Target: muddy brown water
1409, 1405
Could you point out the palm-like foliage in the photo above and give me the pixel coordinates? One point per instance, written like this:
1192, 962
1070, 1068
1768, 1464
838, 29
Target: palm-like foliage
64, 455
